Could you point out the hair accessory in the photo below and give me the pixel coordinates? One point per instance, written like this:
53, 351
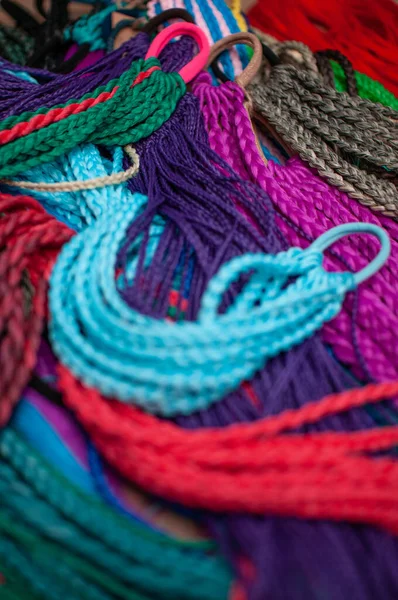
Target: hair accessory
323, 61
335, 234
33, 138
265, 319
244, 78
217, 20
351, 142
360, 335
167, 15
194, 67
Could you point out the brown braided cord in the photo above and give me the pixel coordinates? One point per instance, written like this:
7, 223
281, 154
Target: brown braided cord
325, 69
349, 141
323, 59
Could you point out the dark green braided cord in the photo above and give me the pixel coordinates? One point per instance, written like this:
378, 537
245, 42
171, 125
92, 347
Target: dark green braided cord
15, 45
104, 537
131, 114
48, 574
14, 586
367, 87
75, 578
42, 520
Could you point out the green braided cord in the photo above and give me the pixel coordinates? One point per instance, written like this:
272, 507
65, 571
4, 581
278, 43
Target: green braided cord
47, 573
367, 87
105, 534
131, 114
15, 45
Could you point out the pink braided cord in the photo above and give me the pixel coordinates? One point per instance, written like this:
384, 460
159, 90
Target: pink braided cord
307, 207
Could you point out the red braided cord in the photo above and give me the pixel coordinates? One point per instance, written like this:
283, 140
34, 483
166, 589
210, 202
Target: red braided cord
251, 467
28, 237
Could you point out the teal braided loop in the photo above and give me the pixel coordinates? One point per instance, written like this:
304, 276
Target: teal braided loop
184, 367
78, 209
116, 114
90, 538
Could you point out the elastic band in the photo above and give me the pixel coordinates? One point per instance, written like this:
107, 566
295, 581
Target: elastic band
335, 234
167, 15
229, 42
189, 71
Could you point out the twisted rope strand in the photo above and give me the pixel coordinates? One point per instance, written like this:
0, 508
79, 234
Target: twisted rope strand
88, 184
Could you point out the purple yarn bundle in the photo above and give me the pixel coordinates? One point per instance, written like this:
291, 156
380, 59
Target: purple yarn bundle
198, 194
18, 95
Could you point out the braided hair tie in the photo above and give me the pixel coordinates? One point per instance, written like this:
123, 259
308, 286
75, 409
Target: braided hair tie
306, 208
179, 368
122, 112
351, 142
217, 20
366, 86
29, 239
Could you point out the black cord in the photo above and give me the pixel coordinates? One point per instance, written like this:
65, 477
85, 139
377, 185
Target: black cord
268, 54
22, 17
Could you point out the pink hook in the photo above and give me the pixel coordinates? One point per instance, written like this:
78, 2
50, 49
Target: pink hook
199, 61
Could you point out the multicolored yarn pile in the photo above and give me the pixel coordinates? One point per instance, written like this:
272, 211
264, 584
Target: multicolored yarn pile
198, 301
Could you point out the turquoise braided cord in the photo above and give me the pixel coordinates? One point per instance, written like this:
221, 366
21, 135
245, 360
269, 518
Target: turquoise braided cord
200, 575
184, 367
77, 209
367, 87
129, 115
88, 29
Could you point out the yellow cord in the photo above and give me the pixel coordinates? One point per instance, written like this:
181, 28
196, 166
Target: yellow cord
236, 11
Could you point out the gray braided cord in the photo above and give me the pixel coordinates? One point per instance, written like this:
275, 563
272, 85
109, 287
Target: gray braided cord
334, 132
367, 138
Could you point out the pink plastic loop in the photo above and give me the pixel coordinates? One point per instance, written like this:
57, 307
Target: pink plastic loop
197, 64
